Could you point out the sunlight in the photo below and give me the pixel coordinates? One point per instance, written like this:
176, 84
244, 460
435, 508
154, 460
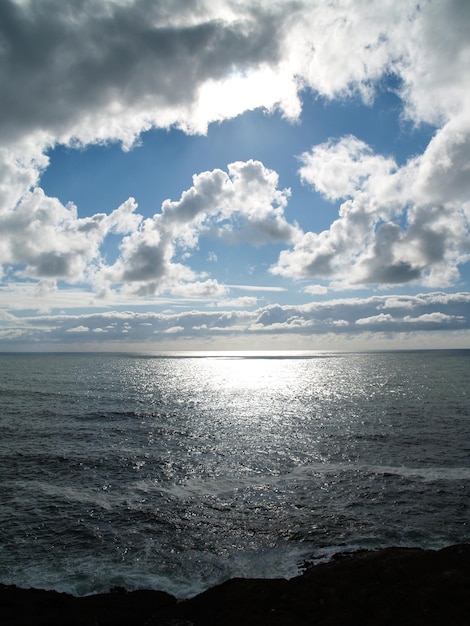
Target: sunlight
250, 370
239, 92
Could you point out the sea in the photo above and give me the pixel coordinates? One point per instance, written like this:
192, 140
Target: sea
178, 471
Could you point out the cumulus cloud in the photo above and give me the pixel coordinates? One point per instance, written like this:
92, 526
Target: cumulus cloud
93, 72
97, 71
339, 169
241, 204
396, 224
49, 240
44, 239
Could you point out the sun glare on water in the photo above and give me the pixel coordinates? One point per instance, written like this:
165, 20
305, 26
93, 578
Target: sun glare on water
253, 370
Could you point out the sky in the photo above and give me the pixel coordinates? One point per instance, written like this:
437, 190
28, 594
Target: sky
234, 175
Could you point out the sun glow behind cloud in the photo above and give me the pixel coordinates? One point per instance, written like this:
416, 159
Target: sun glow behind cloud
219, 100
399, 222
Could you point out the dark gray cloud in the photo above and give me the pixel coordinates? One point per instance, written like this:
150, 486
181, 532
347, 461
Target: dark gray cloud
50, 264
90, 71
148, 262
63, 62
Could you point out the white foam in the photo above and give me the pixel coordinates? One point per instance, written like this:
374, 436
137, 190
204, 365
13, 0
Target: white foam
197, 487
428, 474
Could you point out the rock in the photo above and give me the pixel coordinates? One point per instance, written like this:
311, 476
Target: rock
393, 586
34, 607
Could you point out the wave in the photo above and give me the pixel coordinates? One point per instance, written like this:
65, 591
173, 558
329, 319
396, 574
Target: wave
200, 487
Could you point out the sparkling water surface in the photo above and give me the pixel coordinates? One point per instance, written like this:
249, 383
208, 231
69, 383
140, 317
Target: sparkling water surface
176, 472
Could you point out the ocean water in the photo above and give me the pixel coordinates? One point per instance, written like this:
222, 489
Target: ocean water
177, 472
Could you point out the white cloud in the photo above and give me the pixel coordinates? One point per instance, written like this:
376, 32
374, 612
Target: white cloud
243, 204
395, 225
259, 288
392, 228
201, 289
438, 38
99, 71
339, 169
398, 302
86, 74
339, 323
96, 71
433, 318
47, 240
174, 330
19, 172
92, 72
316, 289
381, 318
343, 318
242, 301
368, 312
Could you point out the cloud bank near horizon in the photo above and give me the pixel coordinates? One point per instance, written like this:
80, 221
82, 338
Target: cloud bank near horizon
93, 72
353, 317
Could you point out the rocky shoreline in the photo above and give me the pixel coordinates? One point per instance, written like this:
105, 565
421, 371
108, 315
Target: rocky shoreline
392, 586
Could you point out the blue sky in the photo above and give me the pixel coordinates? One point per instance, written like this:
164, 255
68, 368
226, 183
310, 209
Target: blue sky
234, 175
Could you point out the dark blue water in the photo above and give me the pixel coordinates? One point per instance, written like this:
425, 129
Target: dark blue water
176, 473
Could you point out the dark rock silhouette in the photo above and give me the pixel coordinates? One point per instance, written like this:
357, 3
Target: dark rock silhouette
393, 586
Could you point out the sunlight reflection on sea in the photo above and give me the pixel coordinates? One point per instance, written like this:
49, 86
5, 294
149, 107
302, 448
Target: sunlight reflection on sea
177, 472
